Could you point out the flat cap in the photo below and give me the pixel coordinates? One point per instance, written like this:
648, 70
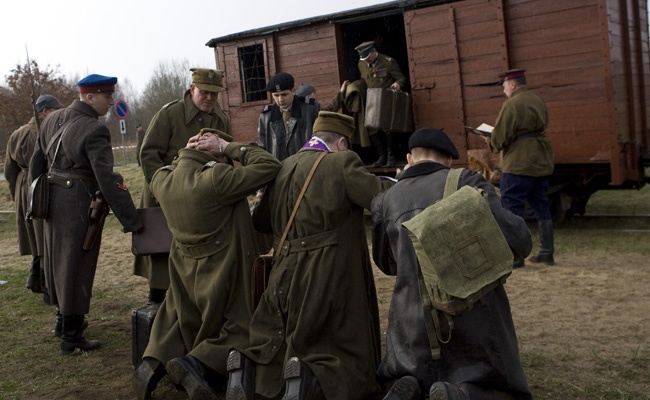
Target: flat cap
46, 101
217, 132
95, 83
280, 82
209, 80
511, 74
334, 122
305, 89
365, 49
432, 138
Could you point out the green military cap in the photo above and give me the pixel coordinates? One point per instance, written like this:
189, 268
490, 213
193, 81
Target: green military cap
512, 74
365, 49
335, 122
222, 135
209, 80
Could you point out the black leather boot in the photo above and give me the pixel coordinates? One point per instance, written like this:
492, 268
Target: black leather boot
446, 391
73, 339
405, 388
34, 279
390, 160
58, 326
546, 249
380, 148
241, 377
300, 382
146, 377
199, 381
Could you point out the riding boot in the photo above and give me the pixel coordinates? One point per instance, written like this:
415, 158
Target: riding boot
241, 377
73, 336
390, 161
34, 279
300, 382
405, 388
156, 296
546, 250
146, 377
58, 326
380, 148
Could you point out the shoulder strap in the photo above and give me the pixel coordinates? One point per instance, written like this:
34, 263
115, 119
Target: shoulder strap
298, 200
58, 135
453, 179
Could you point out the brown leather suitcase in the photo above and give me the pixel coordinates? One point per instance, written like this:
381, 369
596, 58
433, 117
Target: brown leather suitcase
141, 322
388, 110
155, 236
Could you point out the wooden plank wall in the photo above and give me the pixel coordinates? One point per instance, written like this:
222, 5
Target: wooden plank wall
308, 53
562, 45
453, 49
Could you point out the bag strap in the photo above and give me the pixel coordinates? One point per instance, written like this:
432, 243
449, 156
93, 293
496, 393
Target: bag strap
58, 135
431, 320
298, 200
453, 179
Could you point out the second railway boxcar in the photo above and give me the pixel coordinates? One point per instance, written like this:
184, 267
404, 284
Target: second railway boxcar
588, 60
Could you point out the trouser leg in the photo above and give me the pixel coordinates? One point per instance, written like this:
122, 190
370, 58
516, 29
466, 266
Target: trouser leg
390, 160
378, 142
546, 249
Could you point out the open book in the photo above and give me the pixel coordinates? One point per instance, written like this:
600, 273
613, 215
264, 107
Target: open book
483, 129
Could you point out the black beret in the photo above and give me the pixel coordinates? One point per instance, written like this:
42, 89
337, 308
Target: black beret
432, 138
46, 101
280, 82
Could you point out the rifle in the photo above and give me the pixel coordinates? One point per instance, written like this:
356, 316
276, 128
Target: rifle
31, 78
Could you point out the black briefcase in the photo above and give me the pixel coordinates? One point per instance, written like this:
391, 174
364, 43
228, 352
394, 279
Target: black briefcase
141, 320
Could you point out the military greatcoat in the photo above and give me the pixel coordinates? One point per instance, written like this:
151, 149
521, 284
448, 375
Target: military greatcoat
20, 148
483, 347
320, 304
520, 132
83, 165
207, 309
168, 132
382, 73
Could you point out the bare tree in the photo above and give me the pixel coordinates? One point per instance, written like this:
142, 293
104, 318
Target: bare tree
169, 82
16, 99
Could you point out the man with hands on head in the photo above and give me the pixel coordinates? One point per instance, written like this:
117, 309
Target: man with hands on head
207, 308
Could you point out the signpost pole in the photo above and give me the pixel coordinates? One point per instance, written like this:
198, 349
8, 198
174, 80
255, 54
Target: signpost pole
121, 111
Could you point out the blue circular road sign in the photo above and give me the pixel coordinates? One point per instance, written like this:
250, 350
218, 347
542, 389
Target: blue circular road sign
121, 109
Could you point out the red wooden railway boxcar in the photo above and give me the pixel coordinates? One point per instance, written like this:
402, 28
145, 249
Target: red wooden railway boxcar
588, 60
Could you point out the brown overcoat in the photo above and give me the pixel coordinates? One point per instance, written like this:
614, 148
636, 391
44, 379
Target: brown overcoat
207, 308
320, 304
20, 148
168, 132
83, 165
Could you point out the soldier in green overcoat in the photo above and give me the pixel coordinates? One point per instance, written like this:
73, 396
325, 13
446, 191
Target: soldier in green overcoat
167, 133
208, 308
318, 317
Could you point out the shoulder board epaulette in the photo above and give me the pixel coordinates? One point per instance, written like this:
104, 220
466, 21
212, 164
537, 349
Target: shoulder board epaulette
170, 103
209, 164
388, 58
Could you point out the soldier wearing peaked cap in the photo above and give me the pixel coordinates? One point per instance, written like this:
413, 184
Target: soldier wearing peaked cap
168, 132
76, 149
520, 134
481, 360
380, 71
207, 310
324, 261
20, 147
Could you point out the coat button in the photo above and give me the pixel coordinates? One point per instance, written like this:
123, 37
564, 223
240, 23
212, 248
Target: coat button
243, 149
68, 183
217, 242
303, 244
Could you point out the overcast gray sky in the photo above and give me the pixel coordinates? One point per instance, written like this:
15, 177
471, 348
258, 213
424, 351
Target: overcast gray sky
128, 39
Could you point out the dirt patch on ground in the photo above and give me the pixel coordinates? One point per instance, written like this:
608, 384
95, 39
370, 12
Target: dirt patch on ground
583, 325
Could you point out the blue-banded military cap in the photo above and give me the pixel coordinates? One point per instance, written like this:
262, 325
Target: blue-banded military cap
365, 49
280, 82
46, 101
432, 138
95, 83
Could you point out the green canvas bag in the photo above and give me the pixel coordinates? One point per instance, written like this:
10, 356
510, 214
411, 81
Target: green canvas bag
460, 248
